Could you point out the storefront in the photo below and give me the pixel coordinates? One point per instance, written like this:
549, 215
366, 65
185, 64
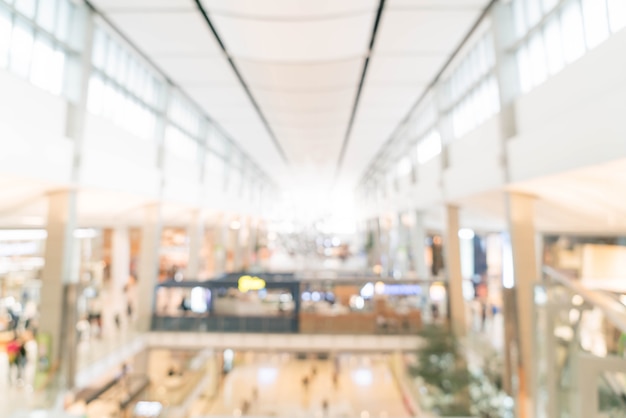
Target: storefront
284, 303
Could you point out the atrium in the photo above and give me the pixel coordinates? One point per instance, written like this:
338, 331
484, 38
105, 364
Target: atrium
312, 208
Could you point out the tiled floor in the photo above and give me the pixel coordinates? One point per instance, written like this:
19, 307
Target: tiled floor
366, 389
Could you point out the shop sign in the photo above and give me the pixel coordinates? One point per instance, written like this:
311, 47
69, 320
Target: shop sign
247, 283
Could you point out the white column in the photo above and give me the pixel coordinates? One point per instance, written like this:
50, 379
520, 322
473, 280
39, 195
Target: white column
219, 246
418, 245
59, 278
120, 270
148, 265
525, 275
453, 268
195, 233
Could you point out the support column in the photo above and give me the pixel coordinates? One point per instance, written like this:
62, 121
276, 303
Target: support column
120, 270
401, 262
383, 240
195, 232
455, 278
418, 245
59, 282
148, 265
521, 216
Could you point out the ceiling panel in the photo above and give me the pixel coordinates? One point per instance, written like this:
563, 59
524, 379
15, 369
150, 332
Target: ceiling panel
306, 101
197, 70
302, 76
175, 33
299, 41
313, 9
309, 119
404, 69
214, 97
135, 5
474, 4
399, 98
423, 31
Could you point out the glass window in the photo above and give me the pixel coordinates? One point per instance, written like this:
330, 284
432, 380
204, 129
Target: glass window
537, 59
617, 14
572, 29
64, 13
99, 49
523, 69
5, 36
113, 52
404, 167
429, 147
46, 14
596, 23
519, 16
21, 48
533, 12
43, 56
26, 7
554, 45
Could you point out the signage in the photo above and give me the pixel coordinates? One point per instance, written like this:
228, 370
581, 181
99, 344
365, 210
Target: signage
247, 283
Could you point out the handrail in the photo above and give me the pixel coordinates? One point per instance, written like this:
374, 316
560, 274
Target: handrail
612, 309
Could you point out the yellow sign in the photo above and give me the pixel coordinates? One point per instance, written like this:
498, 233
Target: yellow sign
247, 283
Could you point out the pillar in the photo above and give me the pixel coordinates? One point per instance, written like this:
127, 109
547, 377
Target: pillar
148, 265
195, 234
219, 246
520, 211
455, 278
418, 246
57, 317
383, 240
120, 270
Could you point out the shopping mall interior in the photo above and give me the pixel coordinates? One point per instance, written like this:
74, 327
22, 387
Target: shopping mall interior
312, 208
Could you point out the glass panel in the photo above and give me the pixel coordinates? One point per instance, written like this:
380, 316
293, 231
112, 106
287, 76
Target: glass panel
617, 14
5, 36
537, 58
596, 24
113, 52
46, 14
429, 147
572, 29
519, 16
98, 55
64, 13
523, 68
43, 55
554, 46
21, 48
533, 10
26, 7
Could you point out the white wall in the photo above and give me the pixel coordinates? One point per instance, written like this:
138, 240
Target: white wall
32, 132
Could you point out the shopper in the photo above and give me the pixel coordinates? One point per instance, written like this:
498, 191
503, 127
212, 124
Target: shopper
17, 357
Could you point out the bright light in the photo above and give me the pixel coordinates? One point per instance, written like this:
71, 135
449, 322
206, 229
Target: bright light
235, 225
336, 241
466, 233
85, 233
306, 296
429, 147
437, 292
315, 296
367, 291
198, 300
379, 288
577, 300
228, 355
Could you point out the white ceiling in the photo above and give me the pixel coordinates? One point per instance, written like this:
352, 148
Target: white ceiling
302, 61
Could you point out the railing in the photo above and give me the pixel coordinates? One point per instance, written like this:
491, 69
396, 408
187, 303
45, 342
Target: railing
581, 369
278, 325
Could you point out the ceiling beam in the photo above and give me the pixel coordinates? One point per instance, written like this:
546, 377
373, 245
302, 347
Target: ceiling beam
243, 83
357, 98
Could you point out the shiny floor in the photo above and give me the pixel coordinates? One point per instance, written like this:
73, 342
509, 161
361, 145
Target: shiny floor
365, 388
